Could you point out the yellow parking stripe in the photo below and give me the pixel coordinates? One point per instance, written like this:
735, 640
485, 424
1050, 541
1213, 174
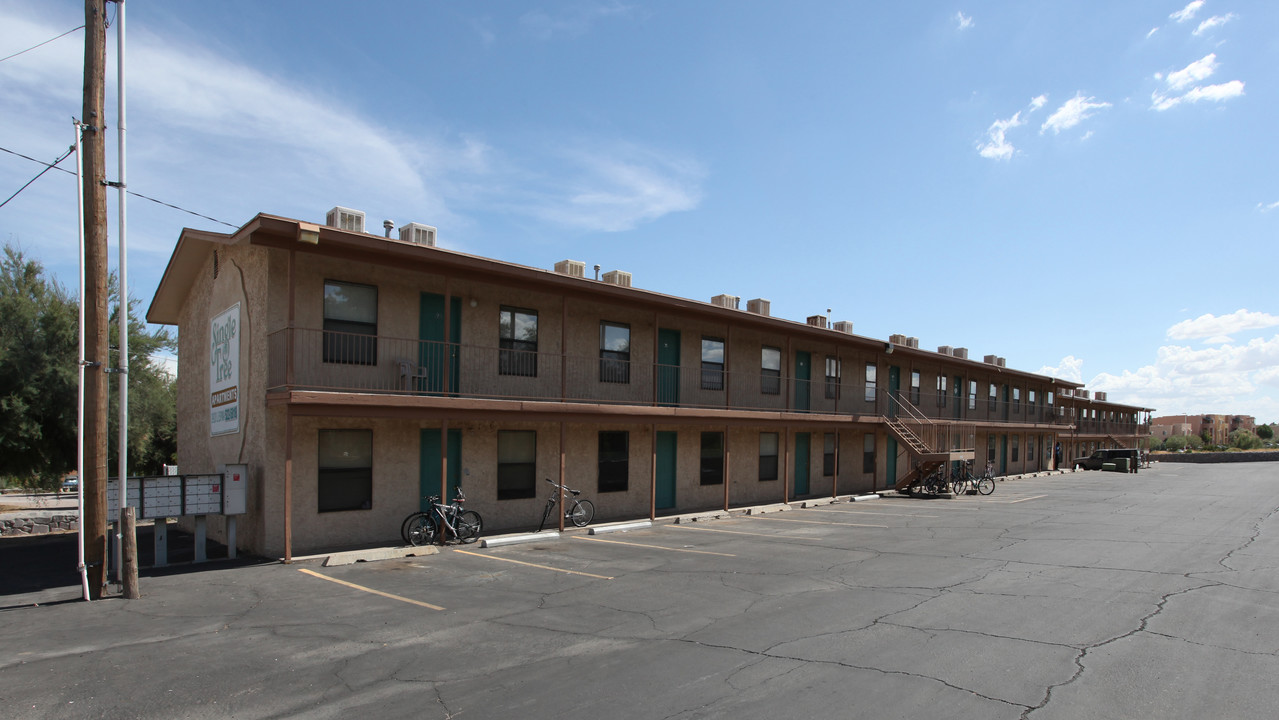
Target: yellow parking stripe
816, 522
655, 547
370, 590
542, 567
739, 532
867, 512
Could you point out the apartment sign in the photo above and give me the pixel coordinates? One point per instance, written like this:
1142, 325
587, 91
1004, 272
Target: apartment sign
224, 372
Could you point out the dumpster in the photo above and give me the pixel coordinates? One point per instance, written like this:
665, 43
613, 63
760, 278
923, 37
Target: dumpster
1123, 464
1108, 467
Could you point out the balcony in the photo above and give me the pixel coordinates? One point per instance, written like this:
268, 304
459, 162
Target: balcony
317, 360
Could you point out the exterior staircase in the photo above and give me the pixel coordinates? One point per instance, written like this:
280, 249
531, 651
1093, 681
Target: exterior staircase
1118, 443
925, 440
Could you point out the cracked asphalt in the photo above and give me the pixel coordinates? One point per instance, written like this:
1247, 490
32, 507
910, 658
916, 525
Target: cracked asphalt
1085, 595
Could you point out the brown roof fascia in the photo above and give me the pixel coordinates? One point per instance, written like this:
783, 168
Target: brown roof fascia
179, 275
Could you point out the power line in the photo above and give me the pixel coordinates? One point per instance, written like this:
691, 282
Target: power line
53, 166
47, 168
46, 42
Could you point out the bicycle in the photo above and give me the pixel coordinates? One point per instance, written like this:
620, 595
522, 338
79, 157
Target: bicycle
984, 485
424, 527
933, 484
579, 512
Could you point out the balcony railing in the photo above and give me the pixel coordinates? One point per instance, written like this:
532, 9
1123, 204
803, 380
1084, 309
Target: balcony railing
306, 359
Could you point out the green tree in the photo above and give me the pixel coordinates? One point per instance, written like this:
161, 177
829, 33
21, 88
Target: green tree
1265, 432
38, 379
152, 396
1244, 440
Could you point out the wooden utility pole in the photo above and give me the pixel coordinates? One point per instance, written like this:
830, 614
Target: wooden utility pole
96, 318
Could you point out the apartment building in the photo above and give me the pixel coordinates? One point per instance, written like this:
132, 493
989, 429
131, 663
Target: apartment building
355, 374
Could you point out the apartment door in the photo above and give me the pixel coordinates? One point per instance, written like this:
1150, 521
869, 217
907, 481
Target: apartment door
429, 471
802, 463
433, 352
666, 452
894, 389
668, 372
890, 463
803, 374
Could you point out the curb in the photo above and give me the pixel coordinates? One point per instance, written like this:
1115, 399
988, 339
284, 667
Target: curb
388, 553
620, 527
521, 539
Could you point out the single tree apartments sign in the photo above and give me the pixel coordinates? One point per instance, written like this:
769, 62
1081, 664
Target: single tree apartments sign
224, 372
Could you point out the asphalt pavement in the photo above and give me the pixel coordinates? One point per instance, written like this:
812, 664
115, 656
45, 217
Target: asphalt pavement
1085, 595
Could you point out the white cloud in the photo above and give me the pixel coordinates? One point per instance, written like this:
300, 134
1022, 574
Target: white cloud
571, 22
964, 22
1038, 102
1216, 93
1196, 71
1212, 22
1209, 325
998, 147
1071, 369
1150, 34
1071, 113
1267, 207
1188, 12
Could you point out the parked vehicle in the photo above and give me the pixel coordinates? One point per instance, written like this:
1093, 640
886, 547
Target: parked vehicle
1101, 457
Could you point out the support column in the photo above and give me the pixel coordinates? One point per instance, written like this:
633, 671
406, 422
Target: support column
560, 511
652, 472
727, 468
288, 484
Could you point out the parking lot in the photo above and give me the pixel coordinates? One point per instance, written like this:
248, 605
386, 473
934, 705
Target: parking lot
1085, 595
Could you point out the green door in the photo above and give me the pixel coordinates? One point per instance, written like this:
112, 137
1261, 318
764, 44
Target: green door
894, 389
668, 375
803, 374
890, 463
432, 351
429, 473
802, 463
959, 398
666, 446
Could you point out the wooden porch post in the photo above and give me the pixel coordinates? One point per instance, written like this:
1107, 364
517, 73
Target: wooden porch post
727, 468
560, 512
786, 459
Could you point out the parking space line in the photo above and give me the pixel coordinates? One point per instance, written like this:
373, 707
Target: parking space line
655, 547
867, 512
816, 522
739, 532
370, 590
1036, 497
529, 564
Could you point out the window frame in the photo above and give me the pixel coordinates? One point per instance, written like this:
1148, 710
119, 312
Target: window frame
615, 475
828, 454
770, 379
334, 479
522, 488
346, 341
994, 397
769, 468
712, 371
833, 363
941, 390
514, 357
872, 381
868, 453
916, 377
615, 365
711, 468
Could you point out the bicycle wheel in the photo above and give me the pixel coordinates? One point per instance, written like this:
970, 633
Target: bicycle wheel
404, 526
581, 512
960, 486
985, 486
422, 530
469, 525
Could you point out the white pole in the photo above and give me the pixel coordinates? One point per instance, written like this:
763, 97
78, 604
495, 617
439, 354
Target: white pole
79, 426
124, 293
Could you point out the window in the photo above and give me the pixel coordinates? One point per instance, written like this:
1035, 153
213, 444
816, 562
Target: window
615, 353
870, 382
770, 371
1030, 402
1030, 448
767, 457
914, 387
941, 391
1015, 440
517, 338
868, 453
614, 461
828, 456
350, 323
990, 448
345, 470
832, 378
972, 394
994, 395
1017, 400
712, 364
516, 464
712, 465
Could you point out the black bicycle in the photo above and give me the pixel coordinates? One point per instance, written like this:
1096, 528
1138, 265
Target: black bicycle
577, 511
427, 526
965, 480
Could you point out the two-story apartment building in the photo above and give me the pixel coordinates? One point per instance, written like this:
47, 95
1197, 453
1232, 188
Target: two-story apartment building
355, 374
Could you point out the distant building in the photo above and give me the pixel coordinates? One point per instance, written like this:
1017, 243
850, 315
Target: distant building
1215, 427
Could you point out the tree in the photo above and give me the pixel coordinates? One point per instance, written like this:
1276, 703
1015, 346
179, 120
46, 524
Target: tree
38, 378
1265, 432
38, 381
1244, 440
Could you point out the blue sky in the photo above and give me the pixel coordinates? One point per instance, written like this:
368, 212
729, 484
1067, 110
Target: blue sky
1087, 189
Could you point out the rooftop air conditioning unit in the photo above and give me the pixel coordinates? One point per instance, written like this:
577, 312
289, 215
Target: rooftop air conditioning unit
990, 359
572, 268
897, 339
418, 233
345, 219
617, 277
817, 321
946, 350
1082, 393
844, 326
759, 306
999, 362
912, 342
961, 353
726, 301
1101, 396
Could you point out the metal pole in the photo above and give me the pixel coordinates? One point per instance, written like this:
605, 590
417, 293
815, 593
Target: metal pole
79, 427
123, 367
